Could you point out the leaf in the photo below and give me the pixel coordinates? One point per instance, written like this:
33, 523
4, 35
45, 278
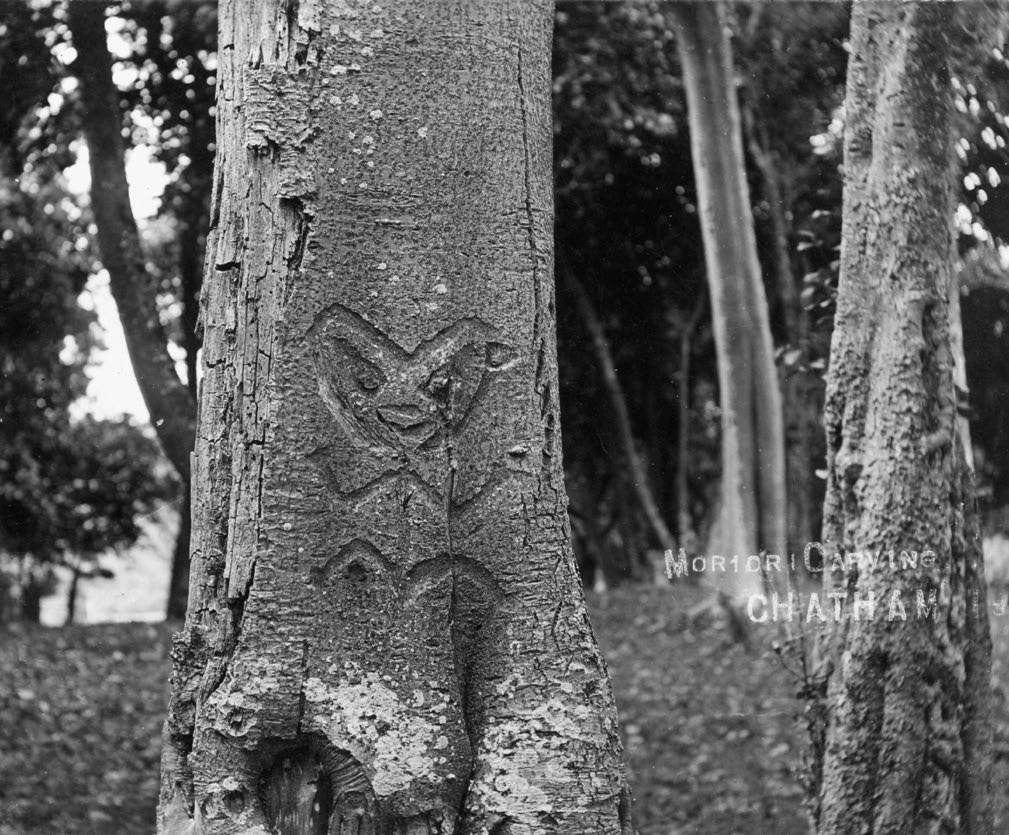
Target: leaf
791, 357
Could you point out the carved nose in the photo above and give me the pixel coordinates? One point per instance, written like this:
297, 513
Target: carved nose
402, 417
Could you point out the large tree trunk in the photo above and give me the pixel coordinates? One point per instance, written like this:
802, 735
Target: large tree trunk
385, 628
172, 410
907, 738
752, 511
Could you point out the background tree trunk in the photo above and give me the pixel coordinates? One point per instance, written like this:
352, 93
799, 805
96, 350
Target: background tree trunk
170, 403
907, 740
75, 579
684, 517
386, 628
752, 512
178, 581
799, 414
173, 413
638, 475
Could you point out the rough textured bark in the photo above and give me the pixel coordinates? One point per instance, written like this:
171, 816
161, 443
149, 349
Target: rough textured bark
618, 403
385, 630
172, 410
907, 739
959, 370
752, 512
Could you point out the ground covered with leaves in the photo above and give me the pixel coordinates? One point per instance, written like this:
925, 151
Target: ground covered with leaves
80, 729
708, 721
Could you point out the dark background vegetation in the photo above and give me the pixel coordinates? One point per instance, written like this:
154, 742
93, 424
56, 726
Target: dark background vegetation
709, 721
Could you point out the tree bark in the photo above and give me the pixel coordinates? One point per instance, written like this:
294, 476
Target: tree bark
385, 632
752, 511
959, 370
907, 737
172, 410
611, 382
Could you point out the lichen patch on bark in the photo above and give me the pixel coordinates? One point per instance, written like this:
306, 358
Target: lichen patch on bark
399, 749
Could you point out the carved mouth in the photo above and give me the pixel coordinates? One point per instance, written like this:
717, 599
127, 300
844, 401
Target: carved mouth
408, 421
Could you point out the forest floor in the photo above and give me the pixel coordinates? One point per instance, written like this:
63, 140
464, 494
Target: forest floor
709, 723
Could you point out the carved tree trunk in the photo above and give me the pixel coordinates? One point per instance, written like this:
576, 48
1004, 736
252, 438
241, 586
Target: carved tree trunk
907, 740
752, 511
386, 631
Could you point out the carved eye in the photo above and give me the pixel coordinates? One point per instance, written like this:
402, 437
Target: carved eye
498, 354
356, 369
367, 375
356, 573
368, 379
439, 384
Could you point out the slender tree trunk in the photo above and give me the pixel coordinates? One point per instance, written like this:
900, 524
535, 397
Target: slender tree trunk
638, 475
31, 600
189, 267
685, 519
752, 513
386, 630
171, 408
178, 582
907, 739
798, 416
75, 579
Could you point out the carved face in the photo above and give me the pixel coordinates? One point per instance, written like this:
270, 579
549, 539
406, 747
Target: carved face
380, 392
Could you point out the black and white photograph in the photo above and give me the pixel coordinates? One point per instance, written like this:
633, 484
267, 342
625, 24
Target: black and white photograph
504, 417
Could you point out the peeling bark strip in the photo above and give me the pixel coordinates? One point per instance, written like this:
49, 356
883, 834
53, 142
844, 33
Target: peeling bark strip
385, 631
907, 735
752, 512
171, 407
